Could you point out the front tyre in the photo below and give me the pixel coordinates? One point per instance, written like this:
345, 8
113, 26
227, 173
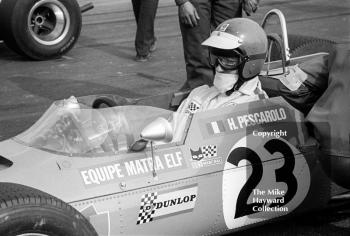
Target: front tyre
27, 211
41, 29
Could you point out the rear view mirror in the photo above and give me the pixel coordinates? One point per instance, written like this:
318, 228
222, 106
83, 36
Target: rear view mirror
158, 130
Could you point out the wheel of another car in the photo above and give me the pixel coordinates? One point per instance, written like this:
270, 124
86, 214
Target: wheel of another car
27, 211
40, 29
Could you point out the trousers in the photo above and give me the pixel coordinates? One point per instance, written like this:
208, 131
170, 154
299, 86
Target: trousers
211, 13
145, 13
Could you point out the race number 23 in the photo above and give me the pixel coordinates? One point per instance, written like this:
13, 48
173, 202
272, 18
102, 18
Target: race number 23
263, 164
283, 174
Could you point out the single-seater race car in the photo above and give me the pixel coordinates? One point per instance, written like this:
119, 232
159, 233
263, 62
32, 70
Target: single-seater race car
107, 165
41, 29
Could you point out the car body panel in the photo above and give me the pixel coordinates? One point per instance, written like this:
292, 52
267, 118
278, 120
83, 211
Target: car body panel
208, 183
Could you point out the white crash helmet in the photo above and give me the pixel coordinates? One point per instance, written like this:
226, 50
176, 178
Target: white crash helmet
244, 36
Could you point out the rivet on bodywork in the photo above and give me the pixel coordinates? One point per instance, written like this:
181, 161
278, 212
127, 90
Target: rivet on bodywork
122, 185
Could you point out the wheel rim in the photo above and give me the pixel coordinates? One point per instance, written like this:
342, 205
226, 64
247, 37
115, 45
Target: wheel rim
48, 22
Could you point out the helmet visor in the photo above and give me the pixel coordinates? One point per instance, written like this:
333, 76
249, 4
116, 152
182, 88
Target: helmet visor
223, 40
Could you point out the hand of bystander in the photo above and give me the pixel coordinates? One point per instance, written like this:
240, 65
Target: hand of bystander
250, 6
188, 14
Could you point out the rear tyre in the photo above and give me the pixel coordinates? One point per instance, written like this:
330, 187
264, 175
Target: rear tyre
26, 211
313, 46
299, 45
40, 29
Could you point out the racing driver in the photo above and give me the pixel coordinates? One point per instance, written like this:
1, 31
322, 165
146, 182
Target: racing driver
237, 50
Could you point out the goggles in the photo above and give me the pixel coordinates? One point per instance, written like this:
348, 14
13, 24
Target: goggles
227, 59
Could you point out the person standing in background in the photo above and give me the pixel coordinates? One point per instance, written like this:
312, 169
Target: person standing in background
197, 18
145, 40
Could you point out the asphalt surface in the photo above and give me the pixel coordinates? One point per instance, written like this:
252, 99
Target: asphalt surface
102, 62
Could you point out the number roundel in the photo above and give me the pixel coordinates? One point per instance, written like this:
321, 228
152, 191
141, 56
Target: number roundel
263, 178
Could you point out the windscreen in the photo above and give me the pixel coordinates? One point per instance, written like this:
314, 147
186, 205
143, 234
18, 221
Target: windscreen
70, 128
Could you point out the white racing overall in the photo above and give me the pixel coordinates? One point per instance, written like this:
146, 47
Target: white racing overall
205, 98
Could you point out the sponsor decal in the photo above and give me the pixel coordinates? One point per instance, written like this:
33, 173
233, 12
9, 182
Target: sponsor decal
193, 107
239, 122
205, 156
131, 168
158, 205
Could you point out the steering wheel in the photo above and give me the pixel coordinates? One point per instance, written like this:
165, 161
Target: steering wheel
103, 100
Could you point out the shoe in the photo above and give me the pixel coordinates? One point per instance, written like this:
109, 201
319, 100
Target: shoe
141, 58
153, 45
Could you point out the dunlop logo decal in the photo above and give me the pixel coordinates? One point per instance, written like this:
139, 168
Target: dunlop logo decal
158, 205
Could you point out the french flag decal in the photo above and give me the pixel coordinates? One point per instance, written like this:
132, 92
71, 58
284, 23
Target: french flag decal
216, 127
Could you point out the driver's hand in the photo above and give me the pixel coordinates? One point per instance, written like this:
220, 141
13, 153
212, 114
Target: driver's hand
188, 14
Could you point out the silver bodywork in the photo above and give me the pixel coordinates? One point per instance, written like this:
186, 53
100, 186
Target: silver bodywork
203, 183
